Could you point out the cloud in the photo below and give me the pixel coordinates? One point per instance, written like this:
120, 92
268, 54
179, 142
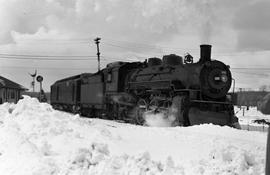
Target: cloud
150, 20
15, 16
252, 26
128, 28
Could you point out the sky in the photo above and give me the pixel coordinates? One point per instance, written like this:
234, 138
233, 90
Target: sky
56, 37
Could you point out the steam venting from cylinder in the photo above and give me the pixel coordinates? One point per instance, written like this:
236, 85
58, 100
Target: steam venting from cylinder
205, 53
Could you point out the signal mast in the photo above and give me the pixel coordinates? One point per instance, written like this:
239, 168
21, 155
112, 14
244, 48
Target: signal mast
33, 82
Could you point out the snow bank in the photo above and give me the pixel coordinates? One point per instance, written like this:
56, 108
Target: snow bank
247, 119
35, 139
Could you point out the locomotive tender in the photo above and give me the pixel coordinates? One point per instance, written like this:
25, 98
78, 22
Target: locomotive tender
195, 93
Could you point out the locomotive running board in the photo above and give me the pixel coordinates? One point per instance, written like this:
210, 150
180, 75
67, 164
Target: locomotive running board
216, 102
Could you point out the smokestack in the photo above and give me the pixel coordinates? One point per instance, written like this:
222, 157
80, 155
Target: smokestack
205, 53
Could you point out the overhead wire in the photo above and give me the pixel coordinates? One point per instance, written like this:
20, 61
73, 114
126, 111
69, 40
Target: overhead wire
46, 68
252, 68
130, 45
92, 57
253, 74
59, 57
127, 45
19, 55
48, 57
183, 50
146, 44
107, 40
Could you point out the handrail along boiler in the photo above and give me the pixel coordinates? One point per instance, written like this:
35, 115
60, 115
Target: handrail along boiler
194, 93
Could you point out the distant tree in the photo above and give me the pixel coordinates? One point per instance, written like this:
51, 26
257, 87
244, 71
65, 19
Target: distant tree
263, 88
264, 104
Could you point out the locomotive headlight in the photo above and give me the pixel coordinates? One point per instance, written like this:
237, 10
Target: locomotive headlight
224, 77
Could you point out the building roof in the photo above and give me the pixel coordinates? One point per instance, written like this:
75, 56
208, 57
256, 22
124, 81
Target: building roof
74, 77
6, 83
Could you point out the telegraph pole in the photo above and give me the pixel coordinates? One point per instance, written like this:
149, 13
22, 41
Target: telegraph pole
97, 41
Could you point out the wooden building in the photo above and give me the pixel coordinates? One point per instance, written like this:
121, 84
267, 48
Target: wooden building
10, 91
250, 98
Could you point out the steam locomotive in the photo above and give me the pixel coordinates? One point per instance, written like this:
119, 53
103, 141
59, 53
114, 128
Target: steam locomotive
195, 93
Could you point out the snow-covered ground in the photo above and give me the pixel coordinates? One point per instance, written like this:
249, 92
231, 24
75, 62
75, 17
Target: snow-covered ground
35, 139
247, 118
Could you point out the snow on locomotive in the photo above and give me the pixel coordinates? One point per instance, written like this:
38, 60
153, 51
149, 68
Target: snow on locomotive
195, 93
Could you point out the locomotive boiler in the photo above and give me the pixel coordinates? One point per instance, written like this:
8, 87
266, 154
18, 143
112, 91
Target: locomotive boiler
194, 93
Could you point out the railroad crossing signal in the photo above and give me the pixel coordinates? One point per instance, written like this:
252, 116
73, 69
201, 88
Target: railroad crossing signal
39, 78
42, 96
